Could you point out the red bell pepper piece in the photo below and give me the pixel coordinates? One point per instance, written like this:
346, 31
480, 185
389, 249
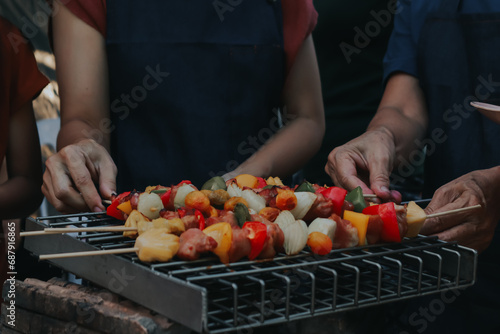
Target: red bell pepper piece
184, 182
261, 183
112, 209
165, 198
387, 212
257, 236
336, 195
197, 213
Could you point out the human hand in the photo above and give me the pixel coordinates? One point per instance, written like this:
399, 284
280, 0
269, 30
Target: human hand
473, 229
365, 161
71, 175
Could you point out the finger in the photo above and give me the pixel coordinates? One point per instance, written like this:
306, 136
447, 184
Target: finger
77, 167
439, 224
107, 178
48, 191
344, 173
101, 166
379, 178
466, 235
396, 196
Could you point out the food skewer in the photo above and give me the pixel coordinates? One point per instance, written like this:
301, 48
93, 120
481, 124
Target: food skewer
419, 221
146, 217
155, 245
61, 230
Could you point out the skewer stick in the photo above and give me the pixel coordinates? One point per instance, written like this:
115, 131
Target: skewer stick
90, 229
369, 196
106, 201
60, 230
89, 253
36, 233
449, 212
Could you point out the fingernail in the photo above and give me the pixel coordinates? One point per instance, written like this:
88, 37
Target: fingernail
384, 189
97, 209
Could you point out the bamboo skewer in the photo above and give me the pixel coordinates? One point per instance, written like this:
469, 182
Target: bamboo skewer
106, 201
90, 229
36, 233
61, 230
449, 212
89, 253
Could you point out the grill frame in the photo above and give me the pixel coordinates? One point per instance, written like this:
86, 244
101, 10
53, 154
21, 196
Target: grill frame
210, 297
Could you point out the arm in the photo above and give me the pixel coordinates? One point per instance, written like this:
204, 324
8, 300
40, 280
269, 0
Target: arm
368, 160
83, 157
20, 195
301, 137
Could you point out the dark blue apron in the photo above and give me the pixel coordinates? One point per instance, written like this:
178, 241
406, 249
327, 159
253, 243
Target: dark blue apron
458, 63
193, 85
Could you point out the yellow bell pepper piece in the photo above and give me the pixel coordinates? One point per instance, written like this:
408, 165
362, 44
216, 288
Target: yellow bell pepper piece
274, 181
360, 222
223, 234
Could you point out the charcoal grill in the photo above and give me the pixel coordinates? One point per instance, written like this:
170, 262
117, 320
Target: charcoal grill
210, 297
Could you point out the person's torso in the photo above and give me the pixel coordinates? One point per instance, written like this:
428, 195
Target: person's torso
457, 51
350, 38
193, 86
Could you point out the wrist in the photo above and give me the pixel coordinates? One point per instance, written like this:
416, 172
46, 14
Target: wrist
382, 131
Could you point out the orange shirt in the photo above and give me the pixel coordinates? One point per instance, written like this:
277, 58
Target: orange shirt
20, 79
299, 20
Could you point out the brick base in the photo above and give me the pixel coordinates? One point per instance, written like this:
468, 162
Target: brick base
57, 306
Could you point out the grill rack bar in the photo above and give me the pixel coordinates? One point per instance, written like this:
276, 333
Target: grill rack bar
210, 297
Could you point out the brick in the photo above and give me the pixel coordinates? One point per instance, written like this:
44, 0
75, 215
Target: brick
162, 321
84, 306
34, 323
103, 293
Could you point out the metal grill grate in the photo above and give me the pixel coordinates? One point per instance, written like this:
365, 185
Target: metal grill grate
211, 297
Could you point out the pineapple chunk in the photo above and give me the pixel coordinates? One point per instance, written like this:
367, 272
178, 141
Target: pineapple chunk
415, 216
133, 220
174, 226
157, 245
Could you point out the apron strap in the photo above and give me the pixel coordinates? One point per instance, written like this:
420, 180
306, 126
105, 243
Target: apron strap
450, 6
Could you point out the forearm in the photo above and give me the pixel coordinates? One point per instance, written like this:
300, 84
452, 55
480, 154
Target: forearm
19, 197
304, 120
82, 74
75, 130
402, 115
287, 151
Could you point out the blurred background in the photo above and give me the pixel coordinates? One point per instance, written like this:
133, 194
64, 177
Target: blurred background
32, 18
